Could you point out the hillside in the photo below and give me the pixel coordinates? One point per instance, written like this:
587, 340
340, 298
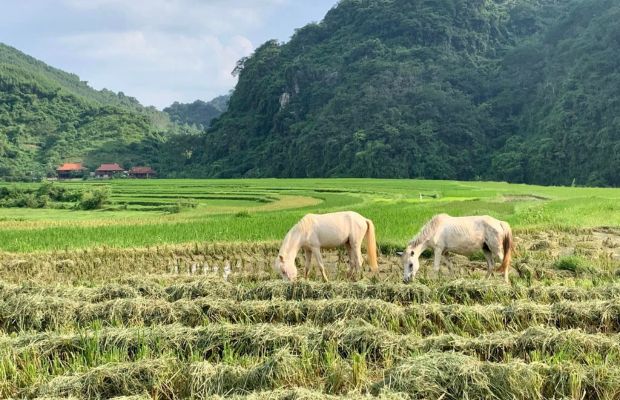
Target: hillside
198, 113
48, 116
558, 98
519, 90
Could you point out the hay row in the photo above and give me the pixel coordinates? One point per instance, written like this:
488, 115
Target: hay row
211, 342
431, 375
454, 292
100, 264
42, 313
170, 378
281, 376
457, 376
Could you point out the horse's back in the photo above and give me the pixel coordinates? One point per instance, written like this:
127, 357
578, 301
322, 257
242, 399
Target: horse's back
464, 234
478, 222
495, 224
340, 217
335, 229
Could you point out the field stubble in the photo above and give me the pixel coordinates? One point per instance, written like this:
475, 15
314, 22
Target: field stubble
209, 320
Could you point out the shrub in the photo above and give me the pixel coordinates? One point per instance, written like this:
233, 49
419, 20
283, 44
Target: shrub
45, 196
94, 199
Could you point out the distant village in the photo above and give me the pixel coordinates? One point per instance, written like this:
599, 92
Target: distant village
105, 171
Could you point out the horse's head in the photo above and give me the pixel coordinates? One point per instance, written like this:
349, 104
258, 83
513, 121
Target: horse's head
286, 269
410, 258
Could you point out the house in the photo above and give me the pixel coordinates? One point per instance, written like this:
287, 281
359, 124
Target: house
108, 170
70, 170
142, 172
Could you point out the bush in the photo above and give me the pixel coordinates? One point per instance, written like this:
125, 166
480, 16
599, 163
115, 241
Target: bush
94, 199
47, 195
58, 193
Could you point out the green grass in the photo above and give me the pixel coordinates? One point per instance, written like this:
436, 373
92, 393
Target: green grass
275, 205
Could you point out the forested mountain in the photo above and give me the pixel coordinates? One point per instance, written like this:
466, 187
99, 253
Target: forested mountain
517, 90
48, 116
523, 90
198, 113
557, 100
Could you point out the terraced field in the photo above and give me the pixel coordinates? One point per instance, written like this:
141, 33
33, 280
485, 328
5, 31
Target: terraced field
141, 303
176, 322
158, 212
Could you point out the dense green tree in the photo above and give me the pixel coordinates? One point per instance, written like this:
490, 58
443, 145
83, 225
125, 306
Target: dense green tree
523, 91
198, 113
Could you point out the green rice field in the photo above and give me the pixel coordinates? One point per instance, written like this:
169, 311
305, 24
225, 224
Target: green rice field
168, 293
264, 210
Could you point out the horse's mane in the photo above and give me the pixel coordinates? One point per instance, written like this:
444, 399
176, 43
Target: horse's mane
427, 230
299, 229
304, 224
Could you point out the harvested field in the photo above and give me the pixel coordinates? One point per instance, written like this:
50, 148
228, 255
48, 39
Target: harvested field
155, 313
188, 329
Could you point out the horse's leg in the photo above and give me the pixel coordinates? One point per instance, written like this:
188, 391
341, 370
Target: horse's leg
357, 258
449, 263
308, 255
347, 245
490, 263
317, 254
437, 261
501, 257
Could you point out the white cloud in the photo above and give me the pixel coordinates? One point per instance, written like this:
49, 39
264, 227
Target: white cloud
221, 16
158, 51
157, 63
191, 44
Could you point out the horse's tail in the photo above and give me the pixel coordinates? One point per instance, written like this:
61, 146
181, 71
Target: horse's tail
509, 246
371, 242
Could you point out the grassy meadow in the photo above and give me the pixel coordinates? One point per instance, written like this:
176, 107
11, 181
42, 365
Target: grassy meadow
263, 210
168, 293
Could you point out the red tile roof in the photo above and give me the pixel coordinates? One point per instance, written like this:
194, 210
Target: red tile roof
141, 170
109, 168
67, 167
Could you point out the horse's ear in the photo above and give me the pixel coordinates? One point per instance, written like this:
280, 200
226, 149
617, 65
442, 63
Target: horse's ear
399, 253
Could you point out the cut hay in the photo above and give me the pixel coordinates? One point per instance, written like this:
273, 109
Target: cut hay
278, 371
457, 376
155, 377
22, 313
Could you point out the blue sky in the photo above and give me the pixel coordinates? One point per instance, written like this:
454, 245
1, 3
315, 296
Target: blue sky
158, 51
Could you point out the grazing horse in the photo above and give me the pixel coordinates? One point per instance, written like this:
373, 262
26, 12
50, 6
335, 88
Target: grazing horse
461, 235
315, 231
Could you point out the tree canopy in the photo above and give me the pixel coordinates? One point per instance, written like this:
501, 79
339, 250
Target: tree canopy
524, 91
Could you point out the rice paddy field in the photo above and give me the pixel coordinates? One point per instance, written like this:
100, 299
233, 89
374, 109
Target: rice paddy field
168, 293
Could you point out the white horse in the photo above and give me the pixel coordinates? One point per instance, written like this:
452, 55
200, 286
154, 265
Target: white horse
315, 231
461, 235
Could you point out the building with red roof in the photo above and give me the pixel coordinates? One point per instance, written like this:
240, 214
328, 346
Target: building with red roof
142, 172
70, 170
108, 170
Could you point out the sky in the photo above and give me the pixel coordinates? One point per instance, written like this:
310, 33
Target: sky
159, 51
